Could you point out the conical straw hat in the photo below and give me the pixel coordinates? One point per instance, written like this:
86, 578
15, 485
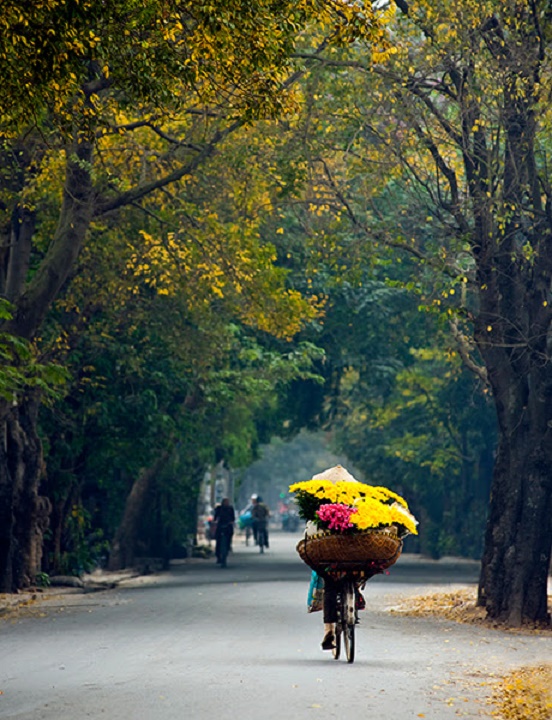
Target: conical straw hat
335, 474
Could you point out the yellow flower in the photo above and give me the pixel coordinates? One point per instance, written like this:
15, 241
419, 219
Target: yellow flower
371, 513
389, 494
376, 506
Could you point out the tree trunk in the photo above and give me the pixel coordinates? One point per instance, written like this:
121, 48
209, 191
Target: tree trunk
514, 575
513, 334
123, 551
23, 512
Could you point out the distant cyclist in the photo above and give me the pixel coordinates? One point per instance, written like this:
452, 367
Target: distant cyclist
260, 513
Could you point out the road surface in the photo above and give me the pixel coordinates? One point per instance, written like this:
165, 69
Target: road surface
202, 643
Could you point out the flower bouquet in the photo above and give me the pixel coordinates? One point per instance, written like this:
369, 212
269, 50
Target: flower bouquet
350, 524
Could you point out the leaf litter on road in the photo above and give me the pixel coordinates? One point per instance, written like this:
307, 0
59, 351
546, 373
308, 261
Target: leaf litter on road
526, 693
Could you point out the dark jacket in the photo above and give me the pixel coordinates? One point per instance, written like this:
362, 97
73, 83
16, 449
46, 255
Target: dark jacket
224, 517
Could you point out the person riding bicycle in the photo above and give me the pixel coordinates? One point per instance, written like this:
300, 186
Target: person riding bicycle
260, 513
224, 518
326, 587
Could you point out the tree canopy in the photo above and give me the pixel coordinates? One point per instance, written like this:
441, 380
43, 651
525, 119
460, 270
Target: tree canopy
230, 220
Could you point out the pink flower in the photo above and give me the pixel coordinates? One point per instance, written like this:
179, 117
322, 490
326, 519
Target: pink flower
337, 515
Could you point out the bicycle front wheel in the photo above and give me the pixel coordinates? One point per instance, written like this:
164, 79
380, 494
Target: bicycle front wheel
349, 642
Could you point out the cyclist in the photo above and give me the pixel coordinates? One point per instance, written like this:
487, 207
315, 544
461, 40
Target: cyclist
334, 474
224, 518
260, 513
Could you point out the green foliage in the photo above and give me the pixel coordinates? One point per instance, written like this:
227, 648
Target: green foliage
431, 437
42, 579
154, 371
57, 56
84, 547
307, 505
19, 369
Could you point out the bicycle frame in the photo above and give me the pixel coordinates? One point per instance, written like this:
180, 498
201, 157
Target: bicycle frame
346, 620
348, 581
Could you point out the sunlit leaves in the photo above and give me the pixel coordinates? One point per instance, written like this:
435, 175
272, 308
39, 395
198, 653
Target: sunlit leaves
20, 370
57, 56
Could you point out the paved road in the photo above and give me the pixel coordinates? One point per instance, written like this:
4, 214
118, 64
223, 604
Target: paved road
201, 642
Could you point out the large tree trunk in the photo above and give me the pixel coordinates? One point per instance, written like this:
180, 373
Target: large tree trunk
518, 543
513, 333
23, 512
514, 575
483, 94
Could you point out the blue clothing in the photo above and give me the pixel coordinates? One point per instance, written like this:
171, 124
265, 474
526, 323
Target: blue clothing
316, 592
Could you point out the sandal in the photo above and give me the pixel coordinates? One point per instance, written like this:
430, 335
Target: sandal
329, 641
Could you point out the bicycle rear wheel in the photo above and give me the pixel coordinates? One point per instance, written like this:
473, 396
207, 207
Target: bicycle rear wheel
349, 642
348, 619
340, 625
337, 649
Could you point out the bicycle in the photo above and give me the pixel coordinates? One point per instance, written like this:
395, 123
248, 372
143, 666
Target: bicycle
348, 563
347, 618
346, 588
348, 580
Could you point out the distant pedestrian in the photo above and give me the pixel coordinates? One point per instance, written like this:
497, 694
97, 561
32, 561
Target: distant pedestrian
260, 513
246, 520
224, 518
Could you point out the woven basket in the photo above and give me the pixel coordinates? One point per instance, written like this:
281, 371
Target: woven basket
374, 549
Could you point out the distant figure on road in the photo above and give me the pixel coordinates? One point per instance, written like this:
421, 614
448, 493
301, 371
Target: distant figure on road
246, 520
260, 513
224, 518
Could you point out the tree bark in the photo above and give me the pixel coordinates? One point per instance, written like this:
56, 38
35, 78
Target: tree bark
518, 542
513, 332
74, 222
516, 559
123, 551
23, 512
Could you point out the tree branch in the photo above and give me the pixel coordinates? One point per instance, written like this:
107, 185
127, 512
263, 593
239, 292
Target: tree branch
73, 224
105, 206
465, 348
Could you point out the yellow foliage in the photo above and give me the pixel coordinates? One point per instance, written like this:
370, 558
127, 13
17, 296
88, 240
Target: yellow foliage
223, 49
525, 694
